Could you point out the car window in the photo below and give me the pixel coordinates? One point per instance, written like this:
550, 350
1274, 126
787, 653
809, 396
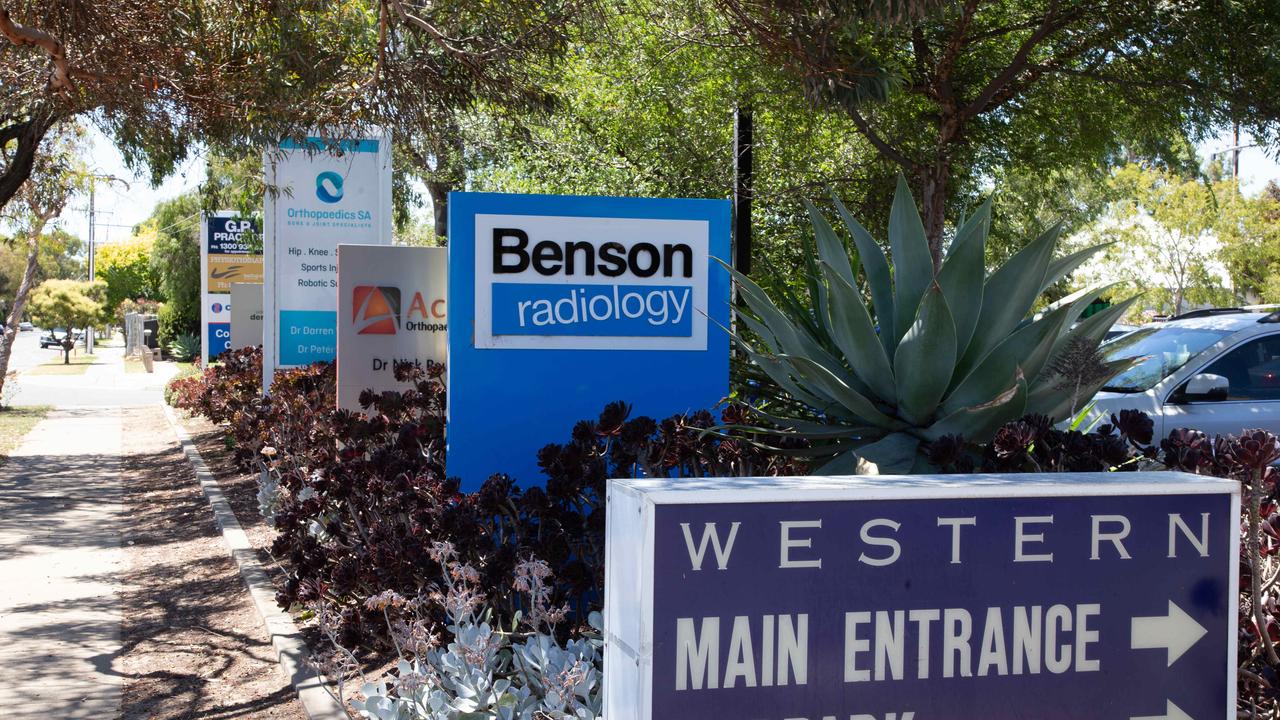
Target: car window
1161, 350
1252, 369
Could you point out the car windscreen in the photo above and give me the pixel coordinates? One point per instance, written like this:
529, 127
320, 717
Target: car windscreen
1162, 351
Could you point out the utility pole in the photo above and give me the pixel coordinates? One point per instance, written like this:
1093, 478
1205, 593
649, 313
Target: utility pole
1235, 153
88, 332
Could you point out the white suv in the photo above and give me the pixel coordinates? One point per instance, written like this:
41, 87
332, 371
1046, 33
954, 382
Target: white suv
1217, 371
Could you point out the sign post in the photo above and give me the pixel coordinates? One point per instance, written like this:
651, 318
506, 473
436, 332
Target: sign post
225, 258
555, 298
321, 191
391, 306
1055, 597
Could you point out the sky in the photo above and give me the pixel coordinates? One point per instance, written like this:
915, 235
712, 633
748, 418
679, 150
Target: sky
118, 209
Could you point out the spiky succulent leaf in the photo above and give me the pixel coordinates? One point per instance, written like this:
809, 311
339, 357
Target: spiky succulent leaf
1013, 289
1025, 350
855, 335
980, 421
962, 274
790, 338
831, 252
912, 260
876, 269
820, 381
925, 358
1065, 265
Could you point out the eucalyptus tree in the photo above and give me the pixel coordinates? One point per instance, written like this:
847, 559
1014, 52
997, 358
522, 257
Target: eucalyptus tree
161, 78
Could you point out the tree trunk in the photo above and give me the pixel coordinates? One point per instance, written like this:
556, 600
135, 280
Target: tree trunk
29, 135
439, 192
933, 201
19, 303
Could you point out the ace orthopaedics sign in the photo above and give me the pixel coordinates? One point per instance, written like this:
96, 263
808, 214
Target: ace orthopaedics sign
1052, 597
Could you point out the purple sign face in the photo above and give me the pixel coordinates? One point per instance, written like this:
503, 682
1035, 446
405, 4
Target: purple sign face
1093, 600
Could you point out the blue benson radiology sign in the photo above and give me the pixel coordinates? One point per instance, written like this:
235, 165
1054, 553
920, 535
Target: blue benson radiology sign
1099, 596
560, 305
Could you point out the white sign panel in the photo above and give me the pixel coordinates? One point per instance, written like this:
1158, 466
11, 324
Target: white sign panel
246, 315
391, 307
328, 191
590, 283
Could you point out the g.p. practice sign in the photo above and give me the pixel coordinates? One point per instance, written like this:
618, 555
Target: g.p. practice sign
1054, 597
561, 305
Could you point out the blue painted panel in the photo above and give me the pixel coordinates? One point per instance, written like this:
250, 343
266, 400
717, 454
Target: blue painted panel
308, 336
514, 389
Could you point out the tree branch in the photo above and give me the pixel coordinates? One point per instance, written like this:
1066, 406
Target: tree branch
1049, 24
880, 143
22, 35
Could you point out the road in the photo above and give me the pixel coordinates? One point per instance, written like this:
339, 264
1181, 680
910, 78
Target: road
27, 352
103, 384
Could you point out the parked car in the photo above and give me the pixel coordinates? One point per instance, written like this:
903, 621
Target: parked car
1118, 330
25, 326
1215, 370
54, 337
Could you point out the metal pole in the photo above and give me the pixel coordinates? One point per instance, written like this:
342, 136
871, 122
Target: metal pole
88, 332
1235, 155
743, 173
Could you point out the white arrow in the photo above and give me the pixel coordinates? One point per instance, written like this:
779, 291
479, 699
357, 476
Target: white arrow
1171, 712
1175, 632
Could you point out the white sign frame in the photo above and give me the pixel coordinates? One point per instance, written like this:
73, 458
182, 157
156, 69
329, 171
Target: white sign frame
630, 542
273, 158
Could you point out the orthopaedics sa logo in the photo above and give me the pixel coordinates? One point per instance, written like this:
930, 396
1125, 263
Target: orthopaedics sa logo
375, 310
329, 186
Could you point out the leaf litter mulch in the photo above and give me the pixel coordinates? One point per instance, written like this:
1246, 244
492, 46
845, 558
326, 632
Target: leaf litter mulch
194, 647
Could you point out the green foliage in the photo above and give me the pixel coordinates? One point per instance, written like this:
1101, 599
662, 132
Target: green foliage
126, 269
60, 257
175, 321
175, 260
185, 348
1249, 232
1170, 234
956, 352
67, 304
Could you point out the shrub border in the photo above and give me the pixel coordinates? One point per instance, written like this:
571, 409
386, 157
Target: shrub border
291, 649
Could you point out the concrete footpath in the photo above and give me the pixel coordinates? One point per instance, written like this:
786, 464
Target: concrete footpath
60, 567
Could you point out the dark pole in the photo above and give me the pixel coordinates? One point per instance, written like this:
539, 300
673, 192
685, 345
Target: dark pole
743, 174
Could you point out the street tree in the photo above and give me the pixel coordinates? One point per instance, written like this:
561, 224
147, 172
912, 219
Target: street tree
126, 271
58, 174
1249, 230
1163, 227
977, 86
67, 304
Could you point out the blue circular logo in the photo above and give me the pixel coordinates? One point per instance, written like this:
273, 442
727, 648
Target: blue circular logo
217, 307
329, 186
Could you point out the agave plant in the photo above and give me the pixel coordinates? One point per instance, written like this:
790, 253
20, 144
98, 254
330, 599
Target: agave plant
952, 352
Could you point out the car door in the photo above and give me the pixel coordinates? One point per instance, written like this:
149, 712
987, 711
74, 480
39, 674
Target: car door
1252, 370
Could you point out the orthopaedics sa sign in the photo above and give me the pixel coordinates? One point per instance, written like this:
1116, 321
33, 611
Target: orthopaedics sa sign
391, 307
564, 304
328, 191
